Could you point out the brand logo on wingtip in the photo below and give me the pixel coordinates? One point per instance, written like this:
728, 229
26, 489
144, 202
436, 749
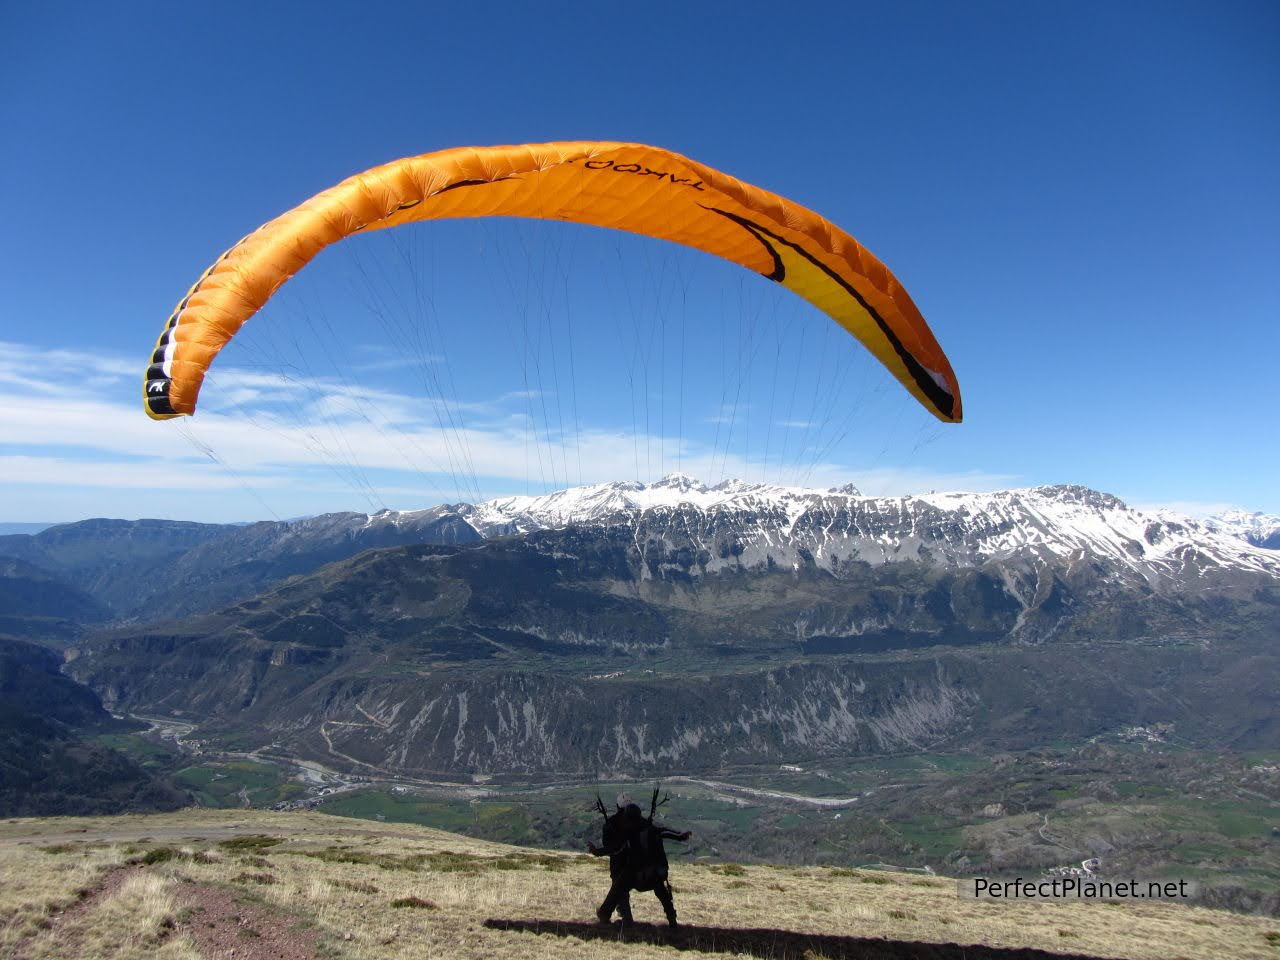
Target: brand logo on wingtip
640, 170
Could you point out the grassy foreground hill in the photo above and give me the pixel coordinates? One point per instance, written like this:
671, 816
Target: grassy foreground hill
252, 884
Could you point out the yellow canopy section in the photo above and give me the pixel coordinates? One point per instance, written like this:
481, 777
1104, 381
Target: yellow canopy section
627, 186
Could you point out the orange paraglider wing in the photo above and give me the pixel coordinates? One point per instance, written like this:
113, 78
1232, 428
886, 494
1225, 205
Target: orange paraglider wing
626, 186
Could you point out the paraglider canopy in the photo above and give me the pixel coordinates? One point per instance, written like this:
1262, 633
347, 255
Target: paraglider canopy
641, 189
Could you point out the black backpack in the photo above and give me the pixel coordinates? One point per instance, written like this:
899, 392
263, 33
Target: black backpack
648, 858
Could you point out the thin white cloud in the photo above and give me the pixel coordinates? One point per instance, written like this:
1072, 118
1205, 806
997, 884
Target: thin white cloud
729, 413
380, 358
56, 471
345, 444
21, 360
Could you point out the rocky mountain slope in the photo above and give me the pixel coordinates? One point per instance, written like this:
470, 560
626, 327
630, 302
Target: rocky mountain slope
760, 627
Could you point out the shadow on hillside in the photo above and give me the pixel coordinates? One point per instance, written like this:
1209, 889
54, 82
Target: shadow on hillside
776, 944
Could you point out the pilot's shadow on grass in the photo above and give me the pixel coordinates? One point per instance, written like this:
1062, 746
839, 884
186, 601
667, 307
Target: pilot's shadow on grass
774, 944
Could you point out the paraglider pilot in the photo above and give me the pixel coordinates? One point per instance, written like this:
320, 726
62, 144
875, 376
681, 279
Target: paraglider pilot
637, 859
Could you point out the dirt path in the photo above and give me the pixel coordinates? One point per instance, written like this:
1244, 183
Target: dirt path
222, 922
338, 753
225, 923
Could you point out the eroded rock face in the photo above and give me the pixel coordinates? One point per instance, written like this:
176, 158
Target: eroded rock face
528, 723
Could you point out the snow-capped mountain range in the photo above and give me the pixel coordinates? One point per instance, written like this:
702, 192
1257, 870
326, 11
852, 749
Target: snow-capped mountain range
1259, 529
680, 528
740, 524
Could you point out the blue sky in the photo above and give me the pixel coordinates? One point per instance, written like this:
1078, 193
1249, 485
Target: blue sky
1081, 199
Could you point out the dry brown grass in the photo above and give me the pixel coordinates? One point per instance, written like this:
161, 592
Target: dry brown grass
54, 906
345, 876
134, 923
35, 885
